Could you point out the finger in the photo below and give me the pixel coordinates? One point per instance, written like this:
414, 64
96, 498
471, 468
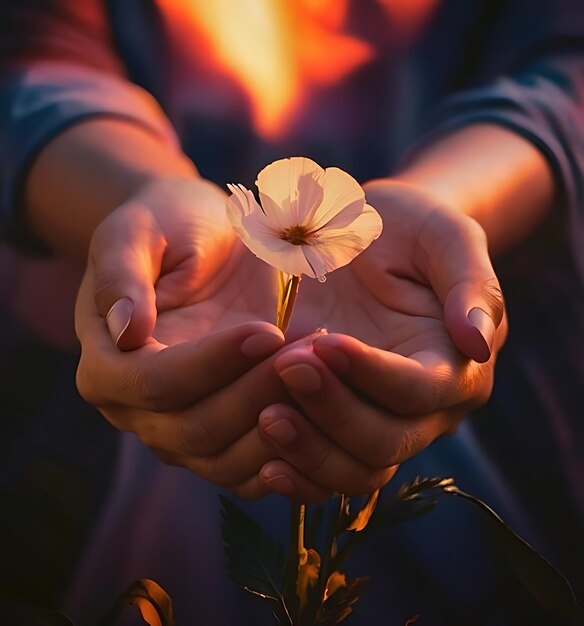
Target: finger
252, 477
279, 477
365, 430
315, 456
453, 249
418, 385
125, 257
236, 464
221, 418
233, 466
160, 378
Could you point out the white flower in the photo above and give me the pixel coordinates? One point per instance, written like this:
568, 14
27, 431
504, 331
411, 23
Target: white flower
311, 221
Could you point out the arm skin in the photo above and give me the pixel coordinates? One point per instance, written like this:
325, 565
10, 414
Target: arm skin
89, 170
490, 174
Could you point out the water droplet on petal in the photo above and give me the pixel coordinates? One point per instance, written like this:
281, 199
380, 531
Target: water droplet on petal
321, 279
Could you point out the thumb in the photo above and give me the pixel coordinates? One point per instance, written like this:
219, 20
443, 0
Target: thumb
125, 258
473, 312
464, 280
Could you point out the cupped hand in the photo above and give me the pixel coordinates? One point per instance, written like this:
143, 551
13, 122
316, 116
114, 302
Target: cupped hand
172, 316
414, 325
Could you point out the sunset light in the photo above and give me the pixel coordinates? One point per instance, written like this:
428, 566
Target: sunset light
275, 50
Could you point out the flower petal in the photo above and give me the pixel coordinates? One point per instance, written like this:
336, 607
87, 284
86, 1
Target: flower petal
336, 247
241, 202
241, 206
261, 236
341, 190
276, 252
291, 190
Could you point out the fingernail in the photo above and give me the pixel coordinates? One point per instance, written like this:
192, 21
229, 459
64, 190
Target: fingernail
261, 344
118, 318
280, 431
484, 324
334, 357
278, 482
301, 378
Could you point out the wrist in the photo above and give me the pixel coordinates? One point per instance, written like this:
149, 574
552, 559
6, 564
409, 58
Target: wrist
489, 173
86, 172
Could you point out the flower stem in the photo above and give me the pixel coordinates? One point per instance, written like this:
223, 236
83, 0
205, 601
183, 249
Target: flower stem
287, 298
298, 554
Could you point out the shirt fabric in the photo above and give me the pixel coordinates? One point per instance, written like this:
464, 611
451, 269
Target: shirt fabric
515, 63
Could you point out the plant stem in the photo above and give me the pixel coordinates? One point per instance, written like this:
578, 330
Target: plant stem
297, 555
287, 298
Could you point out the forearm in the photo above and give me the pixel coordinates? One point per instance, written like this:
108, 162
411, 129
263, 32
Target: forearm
491, 174
89, 170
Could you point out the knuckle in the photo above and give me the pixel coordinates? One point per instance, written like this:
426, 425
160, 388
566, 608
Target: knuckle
344, 420
86, 384
409, 444
365, 484
194, 437
149, 384
481, 386
447, 386
151, 434
248, 491
217, 471
168, 458
423, 396
381, 451
493, 294
315, 458
400, 446
105, 287
472, 226
116, 419
382, 456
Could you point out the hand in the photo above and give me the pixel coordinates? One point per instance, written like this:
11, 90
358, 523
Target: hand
414, 324
184, 301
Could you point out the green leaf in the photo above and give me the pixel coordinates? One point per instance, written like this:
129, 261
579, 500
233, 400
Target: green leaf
254, 559
339, 605
412, 500
538, 576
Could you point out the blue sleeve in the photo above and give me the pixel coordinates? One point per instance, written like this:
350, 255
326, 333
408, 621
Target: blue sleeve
524, 70
544, 103
58, 67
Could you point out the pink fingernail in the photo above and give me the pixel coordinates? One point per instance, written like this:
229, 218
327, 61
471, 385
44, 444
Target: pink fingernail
301, 378
118, 318
278, 482
281, 431
333, 356
484, 324
261, 344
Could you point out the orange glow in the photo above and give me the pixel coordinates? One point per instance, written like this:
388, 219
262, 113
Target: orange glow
409, 16
276, 50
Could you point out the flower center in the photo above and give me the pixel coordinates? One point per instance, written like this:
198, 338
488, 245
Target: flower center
297, 235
